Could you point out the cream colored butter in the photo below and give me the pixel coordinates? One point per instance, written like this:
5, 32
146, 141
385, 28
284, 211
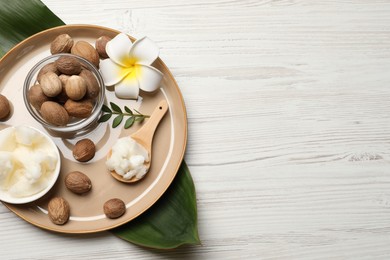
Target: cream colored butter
128, 158
28, 161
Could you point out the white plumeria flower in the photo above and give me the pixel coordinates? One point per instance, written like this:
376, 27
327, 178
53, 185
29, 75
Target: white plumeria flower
128, 66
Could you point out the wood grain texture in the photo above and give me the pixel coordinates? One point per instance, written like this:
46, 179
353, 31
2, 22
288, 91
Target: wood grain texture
288, 105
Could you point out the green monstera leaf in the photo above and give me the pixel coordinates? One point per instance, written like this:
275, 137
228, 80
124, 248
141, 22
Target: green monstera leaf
172, 221
169, 223
20, 19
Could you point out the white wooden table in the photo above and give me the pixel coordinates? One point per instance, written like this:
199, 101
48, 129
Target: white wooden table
289, 128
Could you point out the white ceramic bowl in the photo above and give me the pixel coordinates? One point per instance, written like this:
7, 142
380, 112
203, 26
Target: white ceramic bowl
6, 197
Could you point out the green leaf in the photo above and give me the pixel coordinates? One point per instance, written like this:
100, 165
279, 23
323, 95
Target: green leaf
115, 107
106, 109
117, 121
128, 110
20, 19
140, 119
104, 118
129, 122
169, 223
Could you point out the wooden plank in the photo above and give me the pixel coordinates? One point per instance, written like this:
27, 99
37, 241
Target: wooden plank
288, 106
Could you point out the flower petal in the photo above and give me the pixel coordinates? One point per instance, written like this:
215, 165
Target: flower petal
128, 88
144, 51
112, 73
118, 49
148, 77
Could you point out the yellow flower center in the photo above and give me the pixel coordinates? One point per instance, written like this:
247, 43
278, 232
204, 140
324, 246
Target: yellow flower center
130, 71
129, 62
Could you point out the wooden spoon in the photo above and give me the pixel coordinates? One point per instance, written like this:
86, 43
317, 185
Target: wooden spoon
144, 137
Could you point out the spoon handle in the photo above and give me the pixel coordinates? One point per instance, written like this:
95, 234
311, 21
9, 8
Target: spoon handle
145, 134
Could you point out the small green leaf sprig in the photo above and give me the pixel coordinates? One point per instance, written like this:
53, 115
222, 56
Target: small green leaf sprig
135, 116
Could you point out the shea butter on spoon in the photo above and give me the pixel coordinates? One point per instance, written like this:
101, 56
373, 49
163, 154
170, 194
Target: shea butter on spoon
130, 157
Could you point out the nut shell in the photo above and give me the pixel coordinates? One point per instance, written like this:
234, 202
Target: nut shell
36, 97
59, 210
75, 87
93, 88
68, 65
100, 46
62, 43
64, 78
4, 107
84, 150
78, 182
51, 85
79, 109
50, 67
54, 113
87, 51
114, 208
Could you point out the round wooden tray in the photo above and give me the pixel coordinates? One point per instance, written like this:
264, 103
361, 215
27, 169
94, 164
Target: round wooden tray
87, 210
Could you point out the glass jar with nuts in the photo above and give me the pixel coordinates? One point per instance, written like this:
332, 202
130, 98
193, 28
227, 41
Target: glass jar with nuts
64, 93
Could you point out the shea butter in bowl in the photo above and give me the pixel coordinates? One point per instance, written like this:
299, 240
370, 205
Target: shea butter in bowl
65, 94
30, 164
